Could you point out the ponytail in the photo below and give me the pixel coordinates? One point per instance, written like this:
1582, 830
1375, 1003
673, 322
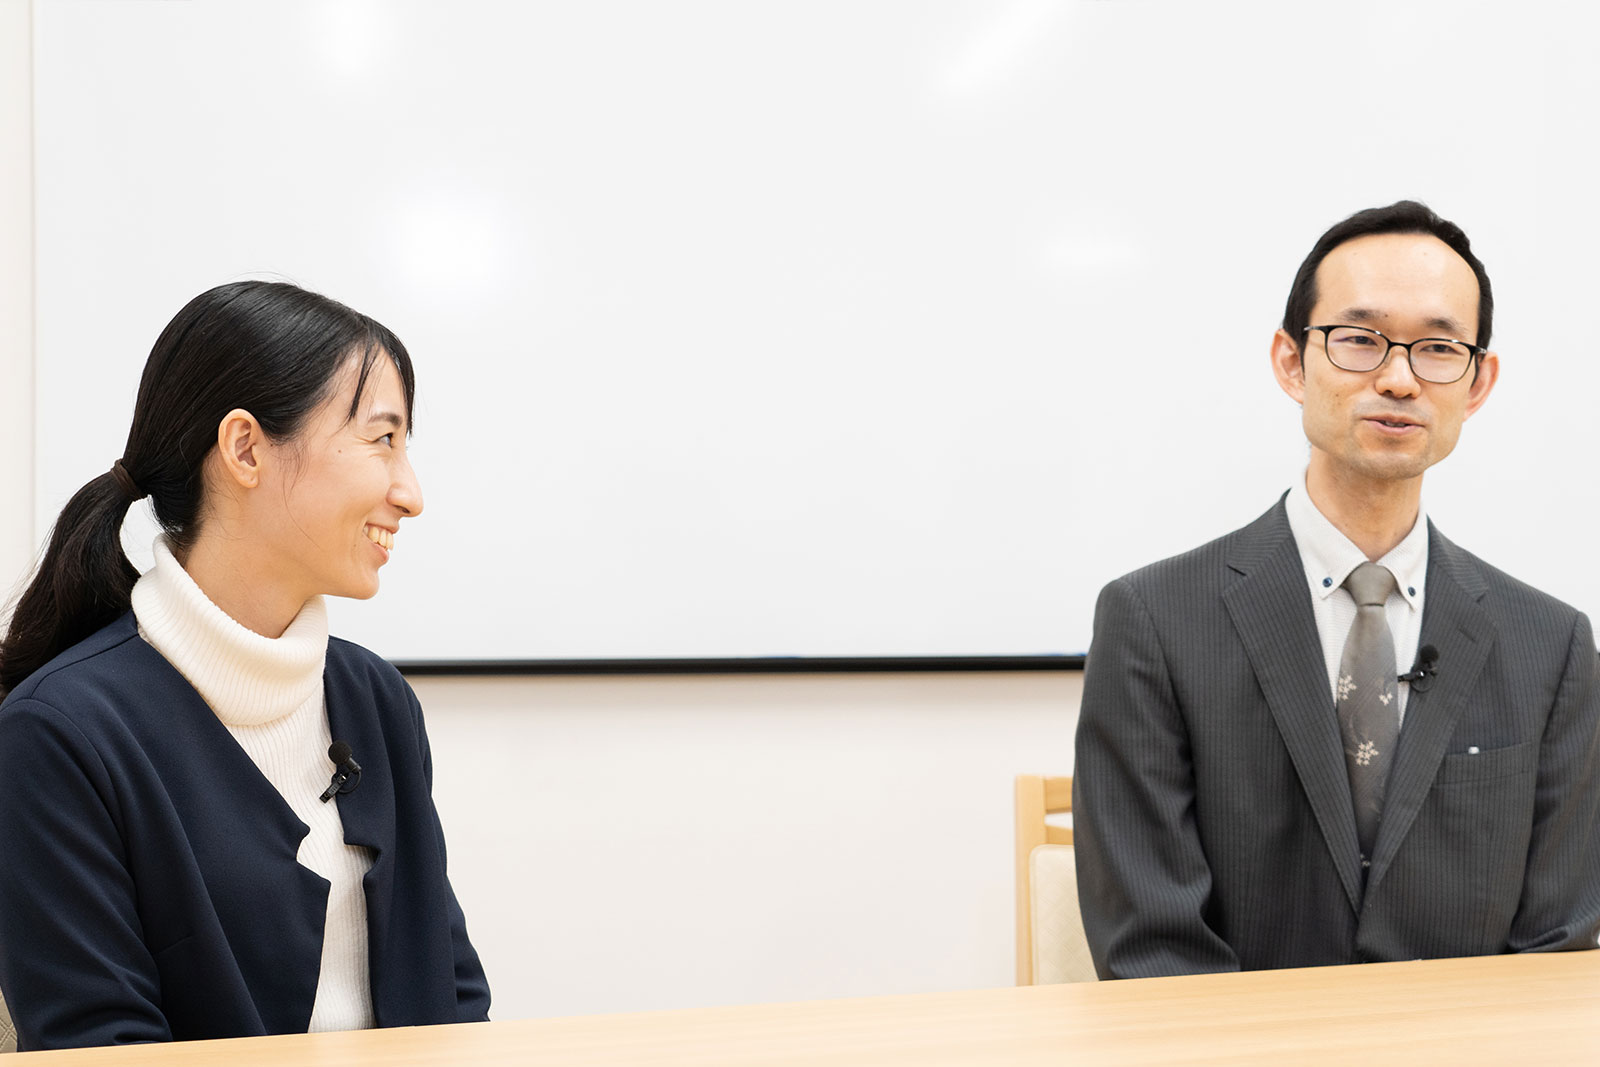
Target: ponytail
84, 581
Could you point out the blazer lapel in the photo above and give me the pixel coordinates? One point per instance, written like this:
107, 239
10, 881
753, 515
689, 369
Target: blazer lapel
1454, 623
367, 811
1271, 609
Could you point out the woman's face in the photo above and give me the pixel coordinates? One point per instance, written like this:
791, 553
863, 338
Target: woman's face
345, 485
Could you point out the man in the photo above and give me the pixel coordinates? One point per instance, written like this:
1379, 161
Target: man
1261, 781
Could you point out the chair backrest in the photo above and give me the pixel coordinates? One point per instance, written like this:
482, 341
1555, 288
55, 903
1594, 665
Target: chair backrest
8, 1033
1051, 946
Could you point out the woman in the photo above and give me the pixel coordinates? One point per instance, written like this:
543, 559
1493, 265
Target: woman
183, 857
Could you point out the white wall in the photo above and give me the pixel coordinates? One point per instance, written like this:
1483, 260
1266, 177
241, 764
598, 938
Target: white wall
635, 843
16, 293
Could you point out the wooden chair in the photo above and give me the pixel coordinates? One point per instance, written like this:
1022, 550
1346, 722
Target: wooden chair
1051, 946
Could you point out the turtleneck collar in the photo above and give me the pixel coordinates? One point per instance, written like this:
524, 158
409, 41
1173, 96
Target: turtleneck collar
248, 680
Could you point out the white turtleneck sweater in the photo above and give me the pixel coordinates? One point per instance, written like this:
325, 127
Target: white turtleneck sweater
269, 694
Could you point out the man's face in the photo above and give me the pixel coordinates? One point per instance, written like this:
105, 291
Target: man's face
1386, 425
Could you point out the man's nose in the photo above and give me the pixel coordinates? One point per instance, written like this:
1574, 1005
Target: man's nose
1395, 377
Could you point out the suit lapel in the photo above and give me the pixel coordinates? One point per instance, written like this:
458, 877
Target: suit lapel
1455, 623
1271, 609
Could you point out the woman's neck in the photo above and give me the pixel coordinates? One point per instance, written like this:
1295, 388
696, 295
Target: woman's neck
235, 580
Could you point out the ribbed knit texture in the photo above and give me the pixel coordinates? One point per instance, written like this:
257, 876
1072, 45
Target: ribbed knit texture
268, 693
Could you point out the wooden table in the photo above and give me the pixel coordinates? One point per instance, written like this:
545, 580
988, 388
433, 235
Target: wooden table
1539, 1009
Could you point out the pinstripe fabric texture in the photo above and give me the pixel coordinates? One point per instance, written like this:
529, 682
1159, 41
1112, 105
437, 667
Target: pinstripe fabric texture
1212, 810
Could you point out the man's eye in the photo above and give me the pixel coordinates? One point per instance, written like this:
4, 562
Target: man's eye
387, 440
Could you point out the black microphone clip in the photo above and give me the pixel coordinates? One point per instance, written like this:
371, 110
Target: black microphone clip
348, 773
1424, 671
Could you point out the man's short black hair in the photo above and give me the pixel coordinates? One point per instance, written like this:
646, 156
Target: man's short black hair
1405, 216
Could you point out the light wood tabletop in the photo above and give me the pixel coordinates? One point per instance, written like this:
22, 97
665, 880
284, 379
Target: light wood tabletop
1497, 1009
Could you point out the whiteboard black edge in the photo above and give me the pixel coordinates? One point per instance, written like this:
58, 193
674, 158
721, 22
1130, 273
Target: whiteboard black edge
753, 665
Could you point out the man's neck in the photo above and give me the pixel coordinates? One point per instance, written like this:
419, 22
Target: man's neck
1375, 514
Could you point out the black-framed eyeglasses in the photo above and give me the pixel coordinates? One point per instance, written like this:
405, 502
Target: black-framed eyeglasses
1439, 360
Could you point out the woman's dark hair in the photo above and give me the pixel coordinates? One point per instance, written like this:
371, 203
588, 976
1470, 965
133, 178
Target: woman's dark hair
1404, 216
271, 348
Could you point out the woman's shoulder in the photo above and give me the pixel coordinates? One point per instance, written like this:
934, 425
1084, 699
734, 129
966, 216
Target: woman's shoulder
110, 692
110, 660
372, 708
349, 657
355, 676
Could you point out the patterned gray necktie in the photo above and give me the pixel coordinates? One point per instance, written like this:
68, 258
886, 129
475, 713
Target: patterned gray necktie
1369, 715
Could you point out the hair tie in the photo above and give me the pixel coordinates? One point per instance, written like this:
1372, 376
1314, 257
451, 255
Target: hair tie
130, 488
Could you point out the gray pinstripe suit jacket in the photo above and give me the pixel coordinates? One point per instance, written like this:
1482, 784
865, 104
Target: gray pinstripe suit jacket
1212, 810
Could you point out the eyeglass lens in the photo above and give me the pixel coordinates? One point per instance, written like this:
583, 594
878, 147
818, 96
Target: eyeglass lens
1432, 359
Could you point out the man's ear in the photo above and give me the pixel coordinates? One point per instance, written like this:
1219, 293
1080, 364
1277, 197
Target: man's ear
1288, 366
1483, 380
241, 448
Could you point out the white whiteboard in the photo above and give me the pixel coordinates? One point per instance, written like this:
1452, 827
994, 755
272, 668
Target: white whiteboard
814, 328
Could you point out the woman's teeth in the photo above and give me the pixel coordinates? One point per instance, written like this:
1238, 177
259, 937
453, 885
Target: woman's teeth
379, 536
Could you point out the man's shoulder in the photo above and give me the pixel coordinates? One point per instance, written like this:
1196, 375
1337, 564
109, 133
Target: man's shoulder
1504, 595
1209, 564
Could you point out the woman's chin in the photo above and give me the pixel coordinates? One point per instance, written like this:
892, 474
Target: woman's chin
362, 591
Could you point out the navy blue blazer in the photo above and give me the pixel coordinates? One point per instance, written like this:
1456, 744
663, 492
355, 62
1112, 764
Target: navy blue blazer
150, 889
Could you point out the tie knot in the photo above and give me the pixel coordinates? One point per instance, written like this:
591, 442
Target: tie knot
1370, 584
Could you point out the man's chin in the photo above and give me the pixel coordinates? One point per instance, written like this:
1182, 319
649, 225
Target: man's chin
1394, 468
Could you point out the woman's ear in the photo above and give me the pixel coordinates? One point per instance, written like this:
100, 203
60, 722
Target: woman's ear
241, 448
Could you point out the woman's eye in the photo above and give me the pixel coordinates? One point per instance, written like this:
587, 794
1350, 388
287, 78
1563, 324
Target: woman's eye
387, 440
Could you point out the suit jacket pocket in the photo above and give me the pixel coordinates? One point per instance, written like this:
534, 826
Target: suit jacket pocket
1458, 767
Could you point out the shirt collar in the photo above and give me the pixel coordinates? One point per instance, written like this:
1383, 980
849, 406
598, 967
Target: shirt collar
1329, 556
